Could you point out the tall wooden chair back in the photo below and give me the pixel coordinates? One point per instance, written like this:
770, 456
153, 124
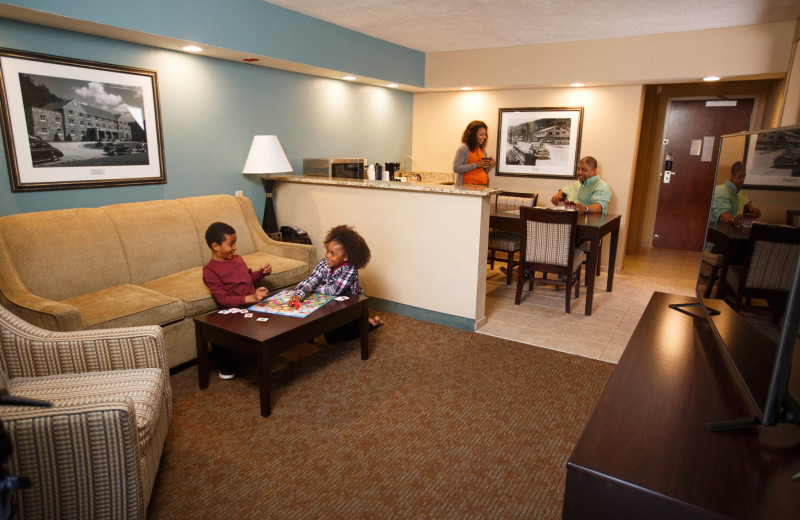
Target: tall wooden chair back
548, 245
510, 198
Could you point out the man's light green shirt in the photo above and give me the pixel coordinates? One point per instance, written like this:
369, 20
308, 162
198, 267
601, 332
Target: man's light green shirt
727, 199
594, 190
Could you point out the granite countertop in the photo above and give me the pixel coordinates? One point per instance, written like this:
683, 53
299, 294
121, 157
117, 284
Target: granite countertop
438, 182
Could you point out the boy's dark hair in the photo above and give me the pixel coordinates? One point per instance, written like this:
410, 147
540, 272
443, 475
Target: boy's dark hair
216, 232
354, 245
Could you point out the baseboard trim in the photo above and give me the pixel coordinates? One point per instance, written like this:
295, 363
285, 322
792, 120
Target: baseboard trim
457, 322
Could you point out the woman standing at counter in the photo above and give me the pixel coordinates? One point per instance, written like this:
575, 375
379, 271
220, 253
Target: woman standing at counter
471, 163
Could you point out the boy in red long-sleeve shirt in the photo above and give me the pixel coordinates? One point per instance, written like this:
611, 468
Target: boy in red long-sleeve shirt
230, 280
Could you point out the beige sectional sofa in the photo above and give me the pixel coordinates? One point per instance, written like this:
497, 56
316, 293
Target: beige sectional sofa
131, 264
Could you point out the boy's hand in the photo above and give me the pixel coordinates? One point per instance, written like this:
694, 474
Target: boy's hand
293, 299
266, 270
256, 297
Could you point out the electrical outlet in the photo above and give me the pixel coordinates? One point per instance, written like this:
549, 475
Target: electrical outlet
239, 193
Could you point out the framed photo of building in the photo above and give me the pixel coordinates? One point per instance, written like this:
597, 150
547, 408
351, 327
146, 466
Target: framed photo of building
70, 123
772, 160
539, 142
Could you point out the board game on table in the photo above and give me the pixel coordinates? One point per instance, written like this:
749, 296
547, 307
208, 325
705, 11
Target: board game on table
280, 304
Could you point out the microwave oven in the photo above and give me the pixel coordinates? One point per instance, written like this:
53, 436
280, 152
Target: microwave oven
335, 168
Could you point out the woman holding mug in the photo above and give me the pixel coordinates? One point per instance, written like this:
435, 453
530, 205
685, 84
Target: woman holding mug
471, 163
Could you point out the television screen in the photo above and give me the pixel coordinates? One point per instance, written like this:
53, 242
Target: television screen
750, 266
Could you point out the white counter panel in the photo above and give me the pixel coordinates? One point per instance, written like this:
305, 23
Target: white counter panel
428, 247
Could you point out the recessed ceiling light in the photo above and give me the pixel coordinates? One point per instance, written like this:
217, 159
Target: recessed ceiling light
192, 48
392, 85
349, 78
576, 84
466, 88
711, 78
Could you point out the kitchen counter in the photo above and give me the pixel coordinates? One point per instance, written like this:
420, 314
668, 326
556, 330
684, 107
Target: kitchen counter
428, 240
430, 183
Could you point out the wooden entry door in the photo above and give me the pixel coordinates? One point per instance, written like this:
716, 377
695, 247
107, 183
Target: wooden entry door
692, 133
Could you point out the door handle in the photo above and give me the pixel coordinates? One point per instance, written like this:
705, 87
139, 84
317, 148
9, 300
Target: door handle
667, 175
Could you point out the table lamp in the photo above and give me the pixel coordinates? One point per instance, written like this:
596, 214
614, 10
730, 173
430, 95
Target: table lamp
266, 156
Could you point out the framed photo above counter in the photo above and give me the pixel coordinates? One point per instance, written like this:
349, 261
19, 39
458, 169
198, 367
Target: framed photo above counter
70, 123
539, 142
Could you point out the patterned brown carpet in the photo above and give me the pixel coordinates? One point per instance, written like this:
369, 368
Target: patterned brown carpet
438, 423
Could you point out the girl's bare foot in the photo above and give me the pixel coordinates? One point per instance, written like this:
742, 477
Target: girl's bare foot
375, 322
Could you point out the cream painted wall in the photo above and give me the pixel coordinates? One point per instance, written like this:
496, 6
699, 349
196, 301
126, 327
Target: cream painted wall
610, 133
755, 51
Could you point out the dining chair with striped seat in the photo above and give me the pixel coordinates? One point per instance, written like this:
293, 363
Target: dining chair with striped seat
768, 269
507, 242
549, 246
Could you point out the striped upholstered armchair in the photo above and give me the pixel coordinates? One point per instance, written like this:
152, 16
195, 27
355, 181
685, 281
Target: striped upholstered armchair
96, 451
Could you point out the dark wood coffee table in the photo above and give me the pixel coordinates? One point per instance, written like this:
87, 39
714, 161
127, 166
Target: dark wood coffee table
264, 339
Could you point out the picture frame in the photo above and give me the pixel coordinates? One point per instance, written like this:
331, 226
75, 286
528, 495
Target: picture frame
539, 142
70, 123
772, 159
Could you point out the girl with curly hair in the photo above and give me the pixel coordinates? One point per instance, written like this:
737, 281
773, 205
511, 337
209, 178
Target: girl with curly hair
337, 274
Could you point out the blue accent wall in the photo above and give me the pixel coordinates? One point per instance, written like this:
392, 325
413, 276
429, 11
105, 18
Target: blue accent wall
252, 26
211, 109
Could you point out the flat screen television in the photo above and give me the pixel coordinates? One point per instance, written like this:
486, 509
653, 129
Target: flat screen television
761, 344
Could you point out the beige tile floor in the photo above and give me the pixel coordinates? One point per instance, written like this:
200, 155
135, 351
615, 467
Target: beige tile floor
540, 318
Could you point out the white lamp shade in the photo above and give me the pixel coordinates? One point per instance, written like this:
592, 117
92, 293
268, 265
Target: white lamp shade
266, 156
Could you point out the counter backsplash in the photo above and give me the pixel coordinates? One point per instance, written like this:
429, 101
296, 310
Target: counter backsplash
433, 176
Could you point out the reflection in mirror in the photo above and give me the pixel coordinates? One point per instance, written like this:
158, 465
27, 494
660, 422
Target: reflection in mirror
755, 183
750, 259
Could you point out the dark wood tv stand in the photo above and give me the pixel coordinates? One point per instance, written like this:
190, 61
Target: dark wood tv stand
646, 454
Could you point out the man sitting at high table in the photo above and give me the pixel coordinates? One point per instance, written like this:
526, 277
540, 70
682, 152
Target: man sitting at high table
730, 203
590, 193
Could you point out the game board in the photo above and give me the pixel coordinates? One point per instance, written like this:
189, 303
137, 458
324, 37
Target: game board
279, 304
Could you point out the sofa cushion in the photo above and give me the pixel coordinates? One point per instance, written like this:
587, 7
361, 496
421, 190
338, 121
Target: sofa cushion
143, 386
64, 253
158, 237
218, 208
285, 271
126, 306
188, 287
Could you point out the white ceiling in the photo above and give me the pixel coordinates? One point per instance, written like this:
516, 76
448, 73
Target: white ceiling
447, 25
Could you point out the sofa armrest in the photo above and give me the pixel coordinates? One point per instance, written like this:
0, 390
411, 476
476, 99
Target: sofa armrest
34, 309
263, 242
95, 438
48, 314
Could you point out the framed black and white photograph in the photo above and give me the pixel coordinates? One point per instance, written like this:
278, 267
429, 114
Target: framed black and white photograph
78, 124
773, 159
539, 142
